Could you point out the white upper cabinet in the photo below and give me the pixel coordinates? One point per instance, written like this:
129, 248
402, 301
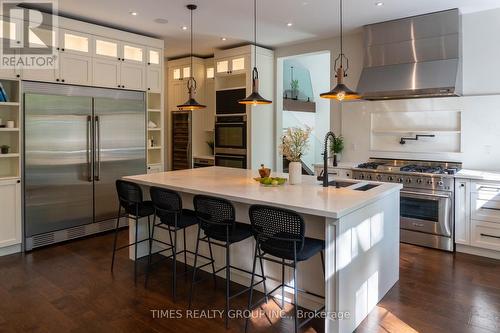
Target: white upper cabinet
154, 79
106, 72
232, 65
107, 48
133, 53
75, 69
133, 76
75, 42
154, 57
210, 73
186, 72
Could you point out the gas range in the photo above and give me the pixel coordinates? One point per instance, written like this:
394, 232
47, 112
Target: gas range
415, 174
427, 197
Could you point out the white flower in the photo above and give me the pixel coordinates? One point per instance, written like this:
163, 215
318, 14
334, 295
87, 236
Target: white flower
295, 143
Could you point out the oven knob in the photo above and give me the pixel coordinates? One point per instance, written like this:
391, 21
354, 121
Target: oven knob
362, 176
408, 180
419, 181
390, 178
369, 177
429, 182
379, 177
440, 183
400, 180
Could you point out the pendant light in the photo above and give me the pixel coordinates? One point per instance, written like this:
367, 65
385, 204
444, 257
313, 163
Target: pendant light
255, 98
341, 92
191, 104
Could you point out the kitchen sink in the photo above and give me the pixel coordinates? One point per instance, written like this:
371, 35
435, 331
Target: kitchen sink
366, 187
339, 184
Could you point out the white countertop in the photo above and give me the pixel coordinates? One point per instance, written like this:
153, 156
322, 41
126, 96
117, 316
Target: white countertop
478, 175
238, 185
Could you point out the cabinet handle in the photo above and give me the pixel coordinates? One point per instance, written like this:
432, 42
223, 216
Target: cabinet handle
149, 63
119, 59
62, 49
62, 80
149, 88
119, 86
123, 59
462, 185
490, 208
57, 48
18, 75
18, 181
123, 86
486, 235
57, 80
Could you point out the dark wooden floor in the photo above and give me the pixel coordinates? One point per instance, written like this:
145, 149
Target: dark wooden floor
69, 288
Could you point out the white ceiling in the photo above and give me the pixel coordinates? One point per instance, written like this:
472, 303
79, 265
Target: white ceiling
312, 19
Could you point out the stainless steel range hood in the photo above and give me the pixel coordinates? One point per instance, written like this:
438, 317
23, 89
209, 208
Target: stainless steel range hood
412, 57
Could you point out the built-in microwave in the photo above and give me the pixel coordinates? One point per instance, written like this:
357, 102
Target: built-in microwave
226, 101
231, 134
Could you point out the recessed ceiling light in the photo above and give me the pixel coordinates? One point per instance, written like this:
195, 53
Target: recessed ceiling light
133, 13
223, 38
161, 21
289, 24
184, 27
379, 3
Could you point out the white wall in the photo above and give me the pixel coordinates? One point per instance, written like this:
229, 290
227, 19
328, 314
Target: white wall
480, 114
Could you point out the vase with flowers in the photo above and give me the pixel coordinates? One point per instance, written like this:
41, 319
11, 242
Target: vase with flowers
294, 143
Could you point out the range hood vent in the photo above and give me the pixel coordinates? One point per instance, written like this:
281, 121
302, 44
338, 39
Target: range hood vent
412, 57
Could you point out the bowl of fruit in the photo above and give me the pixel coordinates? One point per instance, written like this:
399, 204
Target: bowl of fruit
271, 181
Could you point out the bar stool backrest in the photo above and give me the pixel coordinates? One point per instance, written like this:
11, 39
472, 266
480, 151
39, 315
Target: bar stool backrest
129, 195
167, 203
278, 228
213, 212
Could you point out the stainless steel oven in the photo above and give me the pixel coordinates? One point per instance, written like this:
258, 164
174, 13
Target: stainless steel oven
231, 161
427, 218
231, 134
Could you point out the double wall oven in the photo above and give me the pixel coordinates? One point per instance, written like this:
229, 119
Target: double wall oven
427, 198
230, 129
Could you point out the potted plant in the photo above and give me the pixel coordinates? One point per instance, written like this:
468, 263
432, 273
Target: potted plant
336, 148
294, 145
4, 149
294, 84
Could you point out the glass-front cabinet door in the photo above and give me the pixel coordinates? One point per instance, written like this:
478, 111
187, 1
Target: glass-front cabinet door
238, 65
222, 66
75, 42
107, 48
154, 57
133, 53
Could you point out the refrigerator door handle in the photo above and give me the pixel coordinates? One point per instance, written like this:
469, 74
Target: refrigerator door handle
89, 148
98, 148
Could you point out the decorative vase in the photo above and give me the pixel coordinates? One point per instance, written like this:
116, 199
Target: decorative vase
295, 173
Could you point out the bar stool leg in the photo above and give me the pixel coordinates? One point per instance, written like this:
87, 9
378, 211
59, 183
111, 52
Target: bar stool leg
116, 236
295, 289
282, 284
251, 286
174, 277
228, 281
135, 249
194, 268
213, 264
185, 250
150, 250
263, 275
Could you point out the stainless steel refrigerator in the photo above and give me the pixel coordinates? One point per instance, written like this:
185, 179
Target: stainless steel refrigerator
77, 142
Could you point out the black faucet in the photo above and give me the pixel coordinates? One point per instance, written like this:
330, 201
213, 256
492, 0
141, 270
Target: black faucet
328, 135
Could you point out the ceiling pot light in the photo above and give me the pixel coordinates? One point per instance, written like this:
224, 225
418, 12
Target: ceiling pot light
341, 92
191, 104
223, 39
184, 27
289, 24
255, 98
379, 3
133, 13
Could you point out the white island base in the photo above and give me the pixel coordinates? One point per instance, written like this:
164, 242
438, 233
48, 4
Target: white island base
361, 230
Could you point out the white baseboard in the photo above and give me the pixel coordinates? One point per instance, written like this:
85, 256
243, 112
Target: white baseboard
478, 251
4, 251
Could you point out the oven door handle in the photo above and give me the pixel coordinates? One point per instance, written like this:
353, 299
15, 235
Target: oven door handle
442, 196
222, 123
232, 156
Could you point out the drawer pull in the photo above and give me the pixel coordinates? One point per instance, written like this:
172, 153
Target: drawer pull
486, 235
489, 188
421, 225
491, 208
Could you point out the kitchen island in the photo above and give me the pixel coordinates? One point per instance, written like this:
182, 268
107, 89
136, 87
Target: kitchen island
360, 227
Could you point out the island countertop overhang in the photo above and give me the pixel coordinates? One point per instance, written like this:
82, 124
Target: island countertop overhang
238, 185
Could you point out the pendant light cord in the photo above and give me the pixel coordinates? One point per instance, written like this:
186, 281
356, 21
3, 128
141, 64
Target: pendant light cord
191, 70
255, 31
341, 36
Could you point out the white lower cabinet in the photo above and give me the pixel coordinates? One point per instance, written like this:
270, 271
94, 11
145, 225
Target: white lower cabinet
10, 210
155, 168
106, 73
485, 235
462, 211
133, 76
75, 69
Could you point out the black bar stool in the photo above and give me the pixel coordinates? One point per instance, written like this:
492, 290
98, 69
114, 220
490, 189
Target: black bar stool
130, 199
280, 233
168, 207
216, 217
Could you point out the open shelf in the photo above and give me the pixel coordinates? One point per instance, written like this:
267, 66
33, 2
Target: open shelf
155, 147
154, 110
10, 155
4, 129
9, 103
154, 129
